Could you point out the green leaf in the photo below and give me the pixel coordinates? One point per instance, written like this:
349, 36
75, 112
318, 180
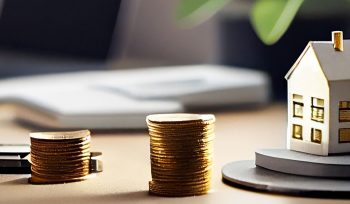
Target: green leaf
198, 11
271, 18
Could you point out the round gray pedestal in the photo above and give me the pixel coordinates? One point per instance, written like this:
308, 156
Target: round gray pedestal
246, 174
298, 163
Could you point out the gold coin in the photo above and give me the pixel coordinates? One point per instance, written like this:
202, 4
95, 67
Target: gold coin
46, 144
184, 128
180, 118
60, 135
182, 137
176, 189
37, 180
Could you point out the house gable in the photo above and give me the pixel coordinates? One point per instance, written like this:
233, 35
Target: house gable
291, 70
308, 71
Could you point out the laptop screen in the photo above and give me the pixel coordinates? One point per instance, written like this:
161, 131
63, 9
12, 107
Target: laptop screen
74, 29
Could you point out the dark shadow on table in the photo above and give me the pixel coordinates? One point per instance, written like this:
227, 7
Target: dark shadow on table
125, 197
16, 181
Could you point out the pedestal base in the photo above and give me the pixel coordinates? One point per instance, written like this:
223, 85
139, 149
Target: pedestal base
246, 174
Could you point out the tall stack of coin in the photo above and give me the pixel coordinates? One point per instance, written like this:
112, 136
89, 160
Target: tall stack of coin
181, 153
59, 157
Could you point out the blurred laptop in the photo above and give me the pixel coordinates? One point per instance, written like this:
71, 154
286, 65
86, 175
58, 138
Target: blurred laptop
48, 37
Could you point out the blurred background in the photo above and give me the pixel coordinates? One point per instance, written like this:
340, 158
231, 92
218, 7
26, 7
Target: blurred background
38, 36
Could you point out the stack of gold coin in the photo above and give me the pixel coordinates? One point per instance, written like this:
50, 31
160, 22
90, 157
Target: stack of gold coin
59, 157
181, 153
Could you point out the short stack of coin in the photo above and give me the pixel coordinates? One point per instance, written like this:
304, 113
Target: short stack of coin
181, 153
59, 157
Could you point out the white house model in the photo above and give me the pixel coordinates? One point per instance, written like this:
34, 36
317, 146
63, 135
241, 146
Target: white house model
319, 98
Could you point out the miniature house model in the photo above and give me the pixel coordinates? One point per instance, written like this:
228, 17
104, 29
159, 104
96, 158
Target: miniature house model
319, 98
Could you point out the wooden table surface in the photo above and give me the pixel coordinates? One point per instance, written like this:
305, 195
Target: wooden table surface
127, 166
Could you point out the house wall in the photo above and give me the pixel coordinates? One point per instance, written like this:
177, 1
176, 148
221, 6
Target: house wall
309, 81
339, 91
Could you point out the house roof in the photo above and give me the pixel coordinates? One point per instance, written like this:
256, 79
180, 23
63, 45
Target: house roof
334, 64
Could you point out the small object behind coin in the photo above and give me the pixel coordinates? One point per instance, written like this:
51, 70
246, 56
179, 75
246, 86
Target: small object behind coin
96, 164
12, 159
181, 153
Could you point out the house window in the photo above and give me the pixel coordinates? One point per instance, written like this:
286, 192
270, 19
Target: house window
297, 132
317, 109
344, 111
316, 135
344, 135
298, 106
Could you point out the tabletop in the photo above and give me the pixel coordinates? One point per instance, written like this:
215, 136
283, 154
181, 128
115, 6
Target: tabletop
127, 165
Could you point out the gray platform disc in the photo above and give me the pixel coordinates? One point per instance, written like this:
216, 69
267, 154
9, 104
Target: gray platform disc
298, 163
246, 174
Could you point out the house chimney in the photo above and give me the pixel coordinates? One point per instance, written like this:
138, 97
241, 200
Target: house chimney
337, 39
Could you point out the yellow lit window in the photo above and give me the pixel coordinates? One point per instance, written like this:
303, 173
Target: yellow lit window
344, 111
298, 106
316, 135
344, 135
317, 109
297, 132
